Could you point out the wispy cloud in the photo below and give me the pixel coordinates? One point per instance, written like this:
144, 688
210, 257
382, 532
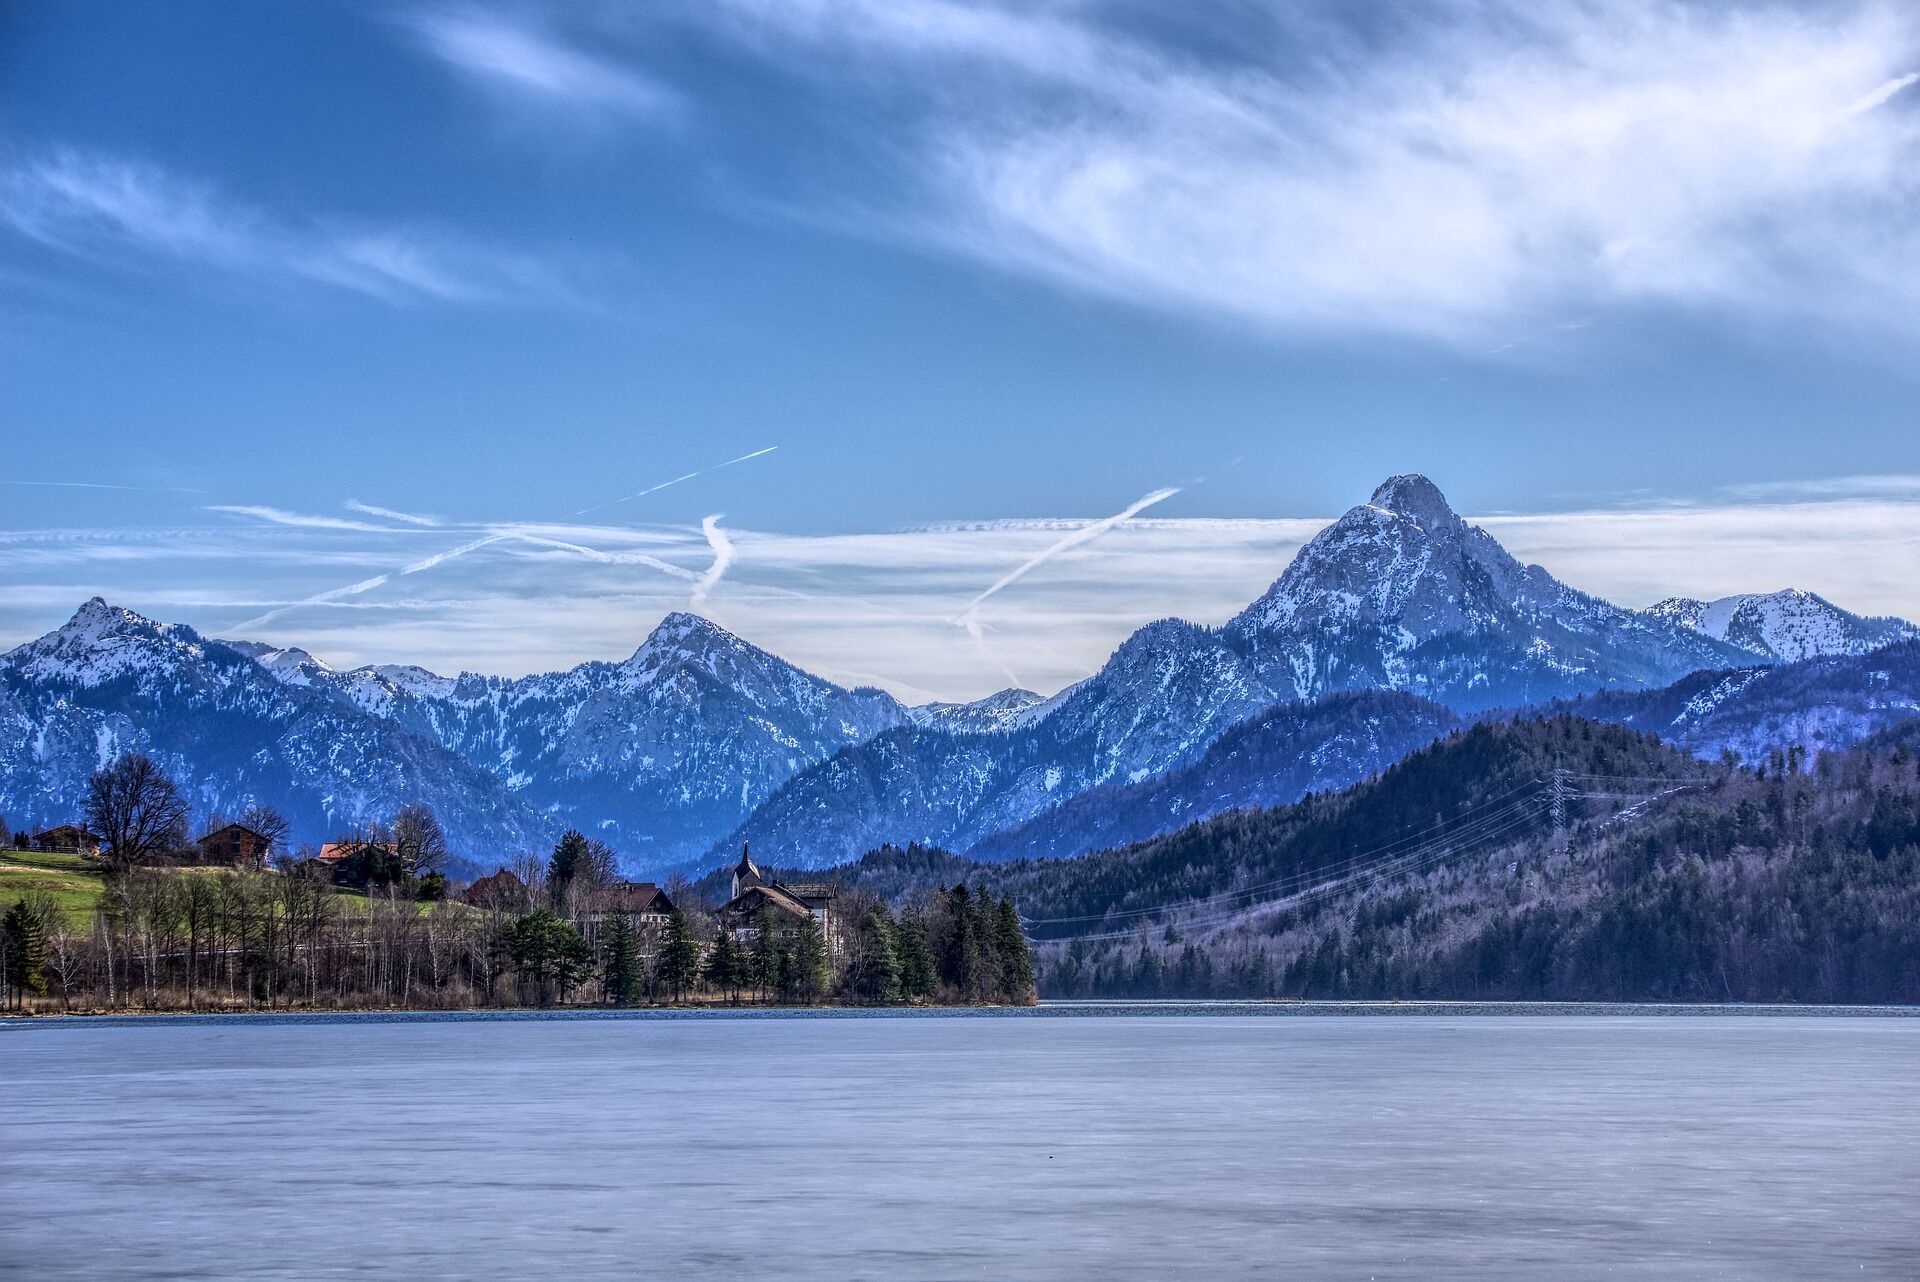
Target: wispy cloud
110, 208
881, 606
1455, 173
408, 518
303, 520
534, 64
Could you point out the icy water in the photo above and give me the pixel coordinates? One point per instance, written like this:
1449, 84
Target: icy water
1119, 1145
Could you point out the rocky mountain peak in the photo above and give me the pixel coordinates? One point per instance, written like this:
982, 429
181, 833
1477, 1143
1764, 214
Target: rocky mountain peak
1416, 498
1783, 626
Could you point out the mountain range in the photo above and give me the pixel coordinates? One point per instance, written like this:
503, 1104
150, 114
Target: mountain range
1390, 627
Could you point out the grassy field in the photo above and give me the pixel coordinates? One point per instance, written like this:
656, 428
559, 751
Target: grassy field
74, 882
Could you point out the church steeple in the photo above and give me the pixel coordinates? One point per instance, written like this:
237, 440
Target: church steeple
746, 875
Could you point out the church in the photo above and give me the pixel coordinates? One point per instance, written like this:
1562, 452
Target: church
752, 892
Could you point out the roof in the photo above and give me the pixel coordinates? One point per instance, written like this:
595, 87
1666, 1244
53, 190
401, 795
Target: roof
334, 851
500, 885
751, 900
809, 889
629, 897
74, 828
224, 829
746, 863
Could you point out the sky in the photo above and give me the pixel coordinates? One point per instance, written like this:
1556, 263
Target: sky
936, 345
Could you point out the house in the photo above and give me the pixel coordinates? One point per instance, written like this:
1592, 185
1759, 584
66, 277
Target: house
787, 904
644, 903
235, 844
70, 839
360, 863
336, 852
500, 890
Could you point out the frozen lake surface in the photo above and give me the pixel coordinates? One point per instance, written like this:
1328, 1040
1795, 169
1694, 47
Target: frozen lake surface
1124, 1144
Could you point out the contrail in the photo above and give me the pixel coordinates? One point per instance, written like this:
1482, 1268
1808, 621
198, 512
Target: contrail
280, 516
676, 480
101, 485
1085, 534
722, 558
971, 622
723, 548
368, 585
474, 545
609, 558
370, 509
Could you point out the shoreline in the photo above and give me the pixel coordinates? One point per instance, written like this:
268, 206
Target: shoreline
1161, 1009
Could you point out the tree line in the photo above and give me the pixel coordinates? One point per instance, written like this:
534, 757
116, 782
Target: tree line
299, 934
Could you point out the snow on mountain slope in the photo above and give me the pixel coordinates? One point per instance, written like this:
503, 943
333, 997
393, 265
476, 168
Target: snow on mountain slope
699, 734
1398, 594
1005, 710
1269, 760
230, 729
1784, 626
658, 754
1827, 702
1402, 594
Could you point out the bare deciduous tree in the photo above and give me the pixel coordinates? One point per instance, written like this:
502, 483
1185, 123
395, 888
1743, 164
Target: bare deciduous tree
269, 823
135, 809
419, 840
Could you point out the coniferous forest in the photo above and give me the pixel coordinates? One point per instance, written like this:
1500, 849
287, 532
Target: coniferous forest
1665, 879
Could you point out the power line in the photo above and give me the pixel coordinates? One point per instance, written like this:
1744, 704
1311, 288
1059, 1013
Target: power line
1449, 838
1453, 827
1312, 882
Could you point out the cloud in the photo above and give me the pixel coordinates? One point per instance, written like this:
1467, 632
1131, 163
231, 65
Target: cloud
534, 65
115, 209
1449, 174
280, 516
722, 558
880, 607
409, 518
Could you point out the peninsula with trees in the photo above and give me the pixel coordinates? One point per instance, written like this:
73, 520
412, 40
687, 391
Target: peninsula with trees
121, 910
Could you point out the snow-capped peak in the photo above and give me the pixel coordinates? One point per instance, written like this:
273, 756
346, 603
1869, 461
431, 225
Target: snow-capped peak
1003, 710
1785, 626
101, 642
683, 633
1416, 498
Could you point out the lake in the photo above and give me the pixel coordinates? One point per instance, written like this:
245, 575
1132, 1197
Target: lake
1067, 1143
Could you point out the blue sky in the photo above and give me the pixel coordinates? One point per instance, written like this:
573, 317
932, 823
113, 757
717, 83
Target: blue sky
985, 268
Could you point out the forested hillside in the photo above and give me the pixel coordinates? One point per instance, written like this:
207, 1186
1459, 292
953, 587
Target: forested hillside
1669, 878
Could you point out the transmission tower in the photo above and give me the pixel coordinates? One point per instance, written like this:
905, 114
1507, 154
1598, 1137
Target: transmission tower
1558, 793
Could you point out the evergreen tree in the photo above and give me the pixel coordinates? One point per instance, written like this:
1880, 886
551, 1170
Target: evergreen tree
873, 972
1011, 952
807, 974
764, 965
679, 963
26, 949
725, 965
547, 949
620, 961
918, 978
960, 958
568, 856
